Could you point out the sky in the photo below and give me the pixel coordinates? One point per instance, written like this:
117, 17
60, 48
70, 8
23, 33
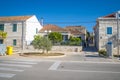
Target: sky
61, 12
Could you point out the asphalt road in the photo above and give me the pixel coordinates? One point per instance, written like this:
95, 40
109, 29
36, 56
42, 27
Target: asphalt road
18, 69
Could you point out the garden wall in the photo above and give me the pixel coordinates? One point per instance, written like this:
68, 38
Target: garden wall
61, 49
67, 48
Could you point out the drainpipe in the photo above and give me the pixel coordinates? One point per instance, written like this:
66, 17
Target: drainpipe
22, 38
118, 36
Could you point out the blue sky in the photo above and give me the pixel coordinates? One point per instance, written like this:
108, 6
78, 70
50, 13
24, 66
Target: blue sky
61, 12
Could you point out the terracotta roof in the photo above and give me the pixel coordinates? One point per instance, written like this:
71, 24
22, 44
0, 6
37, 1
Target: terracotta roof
75, 30
53, 28
15, 18
110, 16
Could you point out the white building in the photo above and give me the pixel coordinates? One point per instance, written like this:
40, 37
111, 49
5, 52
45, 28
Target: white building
20, 30
53, 28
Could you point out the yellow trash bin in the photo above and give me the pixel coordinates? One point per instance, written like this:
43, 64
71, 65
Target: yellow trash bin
9, 50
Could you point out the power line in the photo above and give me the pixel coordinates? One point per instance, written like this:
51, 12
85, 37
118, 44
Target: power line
77, 22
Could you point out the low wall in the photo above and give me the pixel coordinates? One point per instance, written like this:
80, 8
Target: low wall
67, 48
54, 49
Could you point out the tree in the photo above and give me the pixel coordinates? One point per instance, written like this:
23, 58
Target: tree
3, 35
55, 37
42, 43
37, 42
74, 41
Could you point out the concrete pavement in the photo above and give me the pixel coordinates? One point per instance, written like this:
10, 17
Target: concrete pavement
58, 70
81, 56
73, 66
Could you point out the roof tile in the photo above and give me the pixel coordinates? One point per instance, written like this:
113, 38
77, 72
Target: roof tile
15, 18
53, 28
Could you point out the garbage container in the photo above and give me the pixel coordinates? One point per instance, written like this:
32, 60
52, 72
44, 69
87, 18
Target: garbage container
9, 50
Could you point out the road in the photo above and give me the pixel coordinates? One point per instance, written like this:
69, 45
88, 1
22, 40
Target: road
28, 69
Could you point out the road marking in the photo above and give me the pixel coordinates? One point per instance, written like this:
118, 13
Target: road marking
24, 60
16, 65
6, 75
10, 69
87, 71
19, 62
55, 65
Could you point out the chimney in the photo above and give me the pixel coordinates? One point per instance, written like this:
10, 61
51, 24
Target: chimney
41, 21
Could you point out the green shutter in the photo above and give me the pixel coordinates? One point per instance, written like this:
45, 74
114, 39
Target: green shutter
2, 27
14, 42
14, 27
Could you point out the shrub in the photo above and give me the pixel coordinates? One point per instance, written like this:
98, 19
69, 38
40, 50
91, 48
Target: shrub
55, 37
75, 41
102, 52
42, 43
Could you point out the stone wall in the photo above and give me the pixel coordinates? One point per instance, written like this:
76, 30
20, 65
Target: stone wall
67, 48
61, 49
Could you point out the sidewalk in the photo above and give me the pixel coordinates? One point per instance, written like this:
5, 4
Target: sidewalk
91, 54
84, 56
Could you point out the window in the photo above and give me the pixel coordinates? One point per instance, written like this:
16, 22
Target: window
14, 27
1, 41
109, 30
36, 30
14, 42
2, 27
118, 15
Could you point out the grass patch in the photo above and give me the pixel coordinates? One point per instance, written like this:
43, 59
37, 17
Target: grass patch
42, 54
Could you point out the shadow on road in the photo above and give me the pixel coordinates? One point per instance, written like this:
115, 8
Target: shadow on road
91, 51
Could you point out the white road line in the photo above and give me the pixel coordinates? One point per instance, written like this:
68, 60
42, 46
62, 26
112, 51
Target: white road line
15, 65
88, 71
10, 69
55, 65
19, 62
24, 60
6, 75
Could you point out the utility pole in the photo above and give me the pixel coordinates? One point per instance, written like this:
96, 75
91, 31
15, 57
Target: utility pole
22, 38
118, 36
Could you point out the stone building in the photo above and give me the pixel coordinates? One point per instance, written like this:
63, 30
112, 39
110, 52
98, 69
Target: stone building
20, 30
77, 31
106, 30
53, 28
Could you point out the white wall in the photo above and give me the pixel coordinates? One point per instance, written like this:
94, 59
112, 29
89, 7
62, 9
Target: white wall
31, 25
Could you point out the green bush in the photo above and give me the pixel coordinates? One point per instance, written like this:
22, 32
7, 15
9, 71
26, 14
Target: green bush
102, 52
42, 43
116, 55
74, 41
65, 43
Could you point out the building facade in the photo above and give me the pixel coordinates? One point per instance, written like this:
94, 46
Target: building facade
53, 28
77, 31
106, 30
20, 30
